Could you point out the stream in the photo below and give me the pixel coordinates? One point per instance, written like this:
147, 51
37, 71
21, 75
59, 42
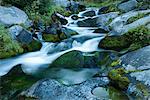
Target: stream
33, 62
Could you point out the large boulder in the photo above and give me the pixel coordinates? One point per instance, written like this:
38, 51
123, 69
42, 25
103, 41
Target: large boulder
138, 61
12, 15
51, 89
128, 6
134, 39
120, 24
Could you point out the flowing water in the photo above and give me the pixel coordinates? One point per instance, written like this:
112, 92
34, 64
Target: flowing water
32, 62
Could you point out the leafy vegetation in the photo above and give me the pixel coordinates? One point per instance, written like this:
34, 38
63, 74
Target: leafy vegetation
8, 47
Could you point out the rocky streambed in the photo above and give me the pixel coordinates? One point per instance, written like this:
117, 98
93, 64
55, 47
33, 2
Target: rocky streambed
99, 55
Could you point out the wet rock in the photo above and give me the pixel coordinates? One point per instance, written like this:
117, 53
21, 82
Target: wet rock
48, 88
102, 10
69, 32
75, 17
89, 22
61, 18
89, 13
128, 6
100, 30
12, 15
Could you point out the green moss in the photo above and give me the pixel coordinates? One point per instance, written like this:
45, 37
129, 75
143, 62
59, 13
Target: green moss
115, 63
99, 3
134, 18
53, 37
118, 79
142, 88
33, 46
134, 46
15, 82
115, 94
117, 43
133, 39
8, 46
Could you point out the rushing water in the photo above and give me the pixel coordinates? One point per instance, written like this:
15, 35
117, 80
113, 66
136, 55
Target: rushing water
32, 62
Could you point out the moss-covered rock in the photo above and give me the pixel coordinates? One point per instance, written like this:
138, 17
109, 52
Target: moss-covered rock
118, 78
135, 39
15, 82
54, 37
8, 46
32, 46
116, 43
73, 59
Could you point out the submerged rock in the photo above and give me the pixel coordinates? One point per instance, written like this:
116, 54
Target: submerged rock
51, 89
12, 15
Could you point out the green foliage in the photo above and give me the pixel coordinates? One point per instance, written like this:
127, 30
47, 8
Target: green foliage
99, 3
53, 37
18, 3
8, 47
134, 18
140, 35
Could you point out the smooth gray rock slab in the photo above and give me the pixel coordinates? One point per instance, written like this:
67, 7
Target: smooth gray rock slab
138, 60
128, 6
12, 15
49, 89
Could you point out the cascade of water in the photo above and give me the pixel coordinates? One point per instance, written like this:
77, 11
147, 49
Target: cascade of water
32, 62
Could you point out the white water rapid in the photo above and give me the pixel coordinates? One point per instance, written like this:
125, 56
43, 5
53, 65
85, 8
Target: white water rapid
34, 61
